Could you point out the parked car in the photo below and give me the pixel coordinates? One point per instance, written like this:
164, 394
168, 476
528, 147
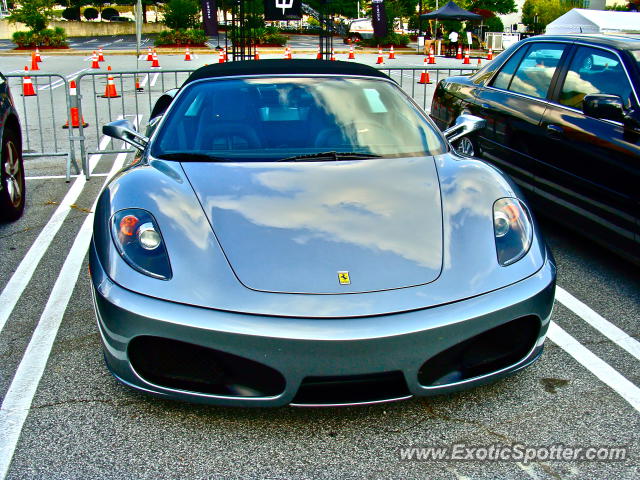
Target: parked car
563, 120
300, 232
12, 185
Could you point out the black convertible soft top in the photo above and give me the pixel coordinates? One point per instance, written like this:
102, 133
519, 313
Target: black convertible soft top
283, 67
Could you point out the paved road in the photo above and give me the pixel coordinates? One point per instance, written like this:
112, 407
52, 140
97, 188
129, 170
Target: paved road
128, 42
64, 416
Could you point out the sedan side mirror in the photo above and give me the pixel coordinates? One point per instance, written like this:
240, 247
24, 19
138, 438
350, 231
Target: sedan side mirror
465, 124
603, 106
125, 131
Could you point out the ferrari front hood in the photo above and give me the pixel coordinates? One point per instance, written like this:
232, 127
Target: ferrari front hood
325, 227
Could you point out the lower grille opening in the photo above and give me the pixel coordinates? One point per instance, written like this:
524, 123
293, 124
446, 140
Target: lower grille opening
352, 389
185, 366
488, 352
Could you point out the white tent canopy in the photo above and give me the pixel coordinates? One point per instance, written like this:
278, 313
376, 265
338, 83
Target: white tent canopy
580, 20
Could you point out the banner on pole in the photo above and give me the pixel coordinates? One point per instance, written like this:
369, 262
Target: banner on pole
210, 17
282, 9
378, 18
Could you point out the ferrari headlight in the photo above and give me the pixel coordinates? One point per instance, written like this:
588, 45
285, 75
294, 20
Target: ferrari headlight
137, 237
513, 230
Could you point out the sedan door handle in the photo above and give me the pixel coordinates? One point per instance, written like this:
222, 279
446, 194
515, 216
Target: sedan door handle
555, 131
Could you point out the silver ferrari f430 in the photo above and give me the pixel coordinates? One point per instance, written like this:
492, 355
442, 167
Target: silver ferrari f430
300, 232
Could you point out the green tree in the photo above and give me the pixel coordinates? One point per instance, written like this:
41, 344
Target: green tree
501, 7
537, 14
494, 24
35, 14
181, 14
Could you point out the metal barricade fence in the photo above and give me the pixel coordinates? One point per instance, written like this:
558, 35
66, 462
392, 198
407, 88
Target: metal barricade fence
136, 92
409, 80
41, 118
133, 94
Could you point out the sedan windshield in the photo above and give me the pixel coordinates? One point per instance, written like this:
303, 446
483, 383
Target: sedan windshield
286, 119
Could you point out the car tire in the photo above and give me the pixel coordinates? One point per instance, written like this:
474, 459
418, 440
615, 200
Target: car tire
12, 195
467, 146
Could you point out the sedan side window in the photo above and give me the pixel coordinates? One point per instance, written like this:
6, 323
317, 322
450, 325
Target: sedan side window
594, 71
503, 79
534, 74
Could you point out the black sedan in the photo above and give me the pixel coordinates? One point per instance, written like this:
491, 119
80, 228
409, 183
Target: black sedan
563, 119
11, 167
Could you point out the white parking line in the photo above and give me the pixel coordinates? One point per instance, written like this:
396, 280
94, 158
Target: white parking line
60, 82
144, 80
22, 276
608, 329
154, 79
17, 402
595, 365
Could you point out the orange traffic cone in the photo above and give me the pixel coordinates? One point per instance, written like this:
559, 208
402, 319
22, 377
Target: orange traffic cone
149, 55
466, 57
34, 62
319, 54
352, 55
187, 55
27, 86
459, 54
256, 56
224, 52
94, 60
333, 55
100, 55
432, 57
74, 114
392, 55
155, 63
490, 55
380, 59
110, 91
287, 54
138, 87
424, 77
479, 61
220, 56
38, 58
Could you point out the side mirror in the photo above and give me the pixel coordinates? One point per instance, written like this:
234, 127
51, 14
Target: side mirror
465, 124
125, 131
605, 107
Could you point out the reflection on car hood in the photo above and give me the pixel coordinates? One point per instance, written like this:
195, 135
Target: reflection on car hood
291, 227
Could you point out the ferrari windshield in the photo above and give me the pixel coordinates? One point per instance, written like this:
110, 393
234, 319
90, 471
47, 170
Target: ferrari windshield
288, 119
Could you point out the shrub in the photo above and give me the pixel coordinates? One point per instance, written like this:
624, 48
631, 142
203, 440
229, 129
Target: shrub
181, 37
109, 12
397, 39
263, 35
71, 13
91, 13
181, 14
44, 38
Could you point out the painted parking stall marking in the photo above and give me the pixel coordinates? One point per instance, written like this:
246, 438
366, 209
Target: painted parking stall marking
17, 402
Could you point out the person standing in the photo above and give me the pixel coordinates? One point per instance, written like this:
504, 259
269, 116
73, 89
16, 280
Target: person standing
453, 43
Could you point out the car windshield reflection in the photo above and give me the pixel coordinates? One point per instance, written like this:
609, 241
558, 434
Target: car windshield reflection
271, 119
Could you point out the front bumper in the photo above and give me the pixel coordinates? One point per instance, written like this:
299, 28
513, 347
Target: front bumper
306, 348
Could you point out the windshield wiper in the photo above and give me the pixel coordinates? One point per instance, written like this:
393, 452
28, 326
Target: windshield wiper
335, 156
191, 157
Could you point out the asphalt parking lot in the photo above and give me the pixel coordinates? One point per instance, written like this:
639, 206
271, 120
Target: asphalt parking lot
64, 416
